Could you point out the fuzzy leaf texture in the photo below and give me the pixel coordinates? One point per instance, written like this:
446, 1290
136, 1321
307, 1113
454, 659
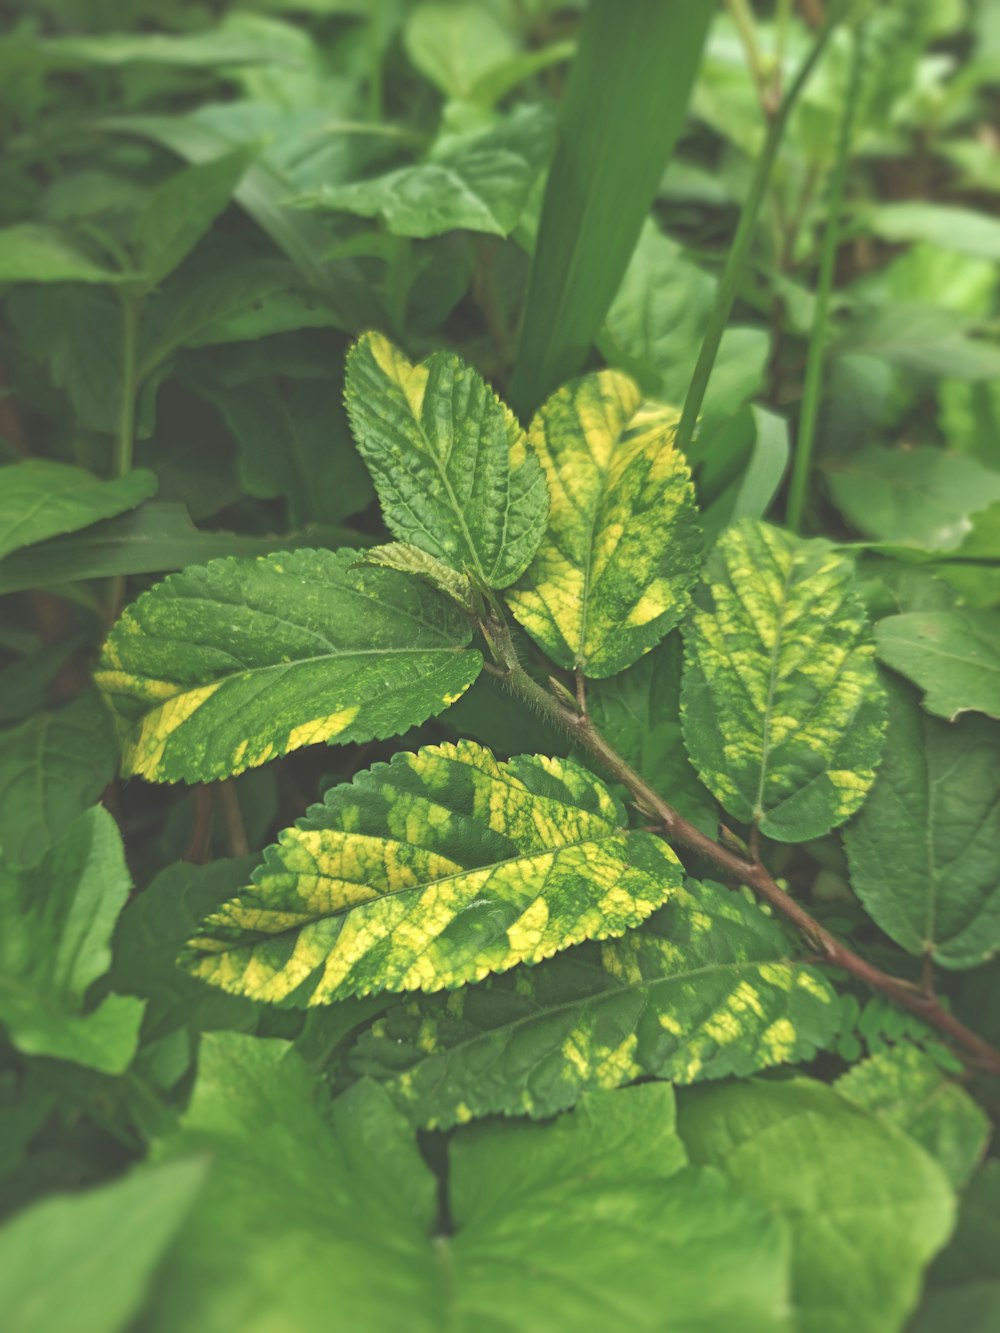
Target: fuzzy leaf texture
783, 713
622, 548
229, 664
936, 804
450, 463
705, 990
433, 870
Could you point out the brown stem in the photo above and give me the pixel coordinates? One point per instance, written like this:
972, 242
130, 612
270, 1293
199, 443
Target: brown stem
830, 950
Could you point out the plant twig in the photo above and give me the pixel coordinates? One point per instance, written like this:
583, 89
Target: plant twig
830, 950
733, 271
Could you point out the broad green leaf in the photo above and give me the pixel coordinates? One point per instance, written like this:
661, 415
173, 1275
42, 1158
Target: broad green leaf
229, 664
924, 340
907, 1089
456, 43
436, 869
241, 39
88, 1258
783, 713
705, 990
615, 566
920, 497
56, 926
150, 931
52, 767
40, 498
412, 560
450, 463
152, 540
924, 851
479, 181
328, 1219
179, 211
638, 712
964, 230
867, 1207
953, 656
604, 176
34, 252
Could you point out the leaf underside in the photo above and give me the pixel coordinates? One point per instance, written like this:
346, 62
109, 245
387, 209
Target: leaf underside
432, 871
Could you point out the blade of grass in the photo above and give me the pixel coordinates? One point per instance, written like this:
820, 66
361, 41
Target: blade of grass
812, 389
626, 96
733, 271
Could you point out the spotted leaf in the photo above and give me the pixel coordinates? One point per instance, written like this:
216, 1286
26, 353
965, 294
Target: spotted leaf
449, 460
433, 870
623, 546
226, 665
706, 989
783, 713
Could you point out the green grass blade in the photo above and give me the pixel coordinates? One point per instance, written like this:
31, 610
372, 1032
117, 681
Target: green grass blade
625, 101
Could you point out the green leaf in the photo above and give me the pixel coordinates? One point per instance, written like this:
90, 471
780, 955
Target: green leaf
449, 461
920, 497
242, 39
224, 666
867, 1208
907, 1089
40, 498
782, 710
478, 181
638, 713
57, 921
150, 932
973, 1249
89, 1257
705, 990
180, 210
457, 43
622, 549
317, 1219
153, 539
434, 870
34, 252
924, 851
964, 230
953, 656
52, 767
611, 153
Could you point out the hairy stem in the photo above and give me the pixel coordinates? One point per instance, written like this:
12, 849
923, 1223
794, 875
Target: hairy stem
831, 951
733, 271
812, 389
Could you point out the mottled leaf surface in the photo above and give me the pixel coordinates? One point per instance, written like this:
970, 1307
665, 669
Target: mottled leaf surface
867, 1207
450, 462
954, 656
319, 1216
907, 1089
783, 713
226, 665
55, 931
412, 560
40, 498
433, 870
87, 1259
52, 767
622, 548
706, 989
924, 851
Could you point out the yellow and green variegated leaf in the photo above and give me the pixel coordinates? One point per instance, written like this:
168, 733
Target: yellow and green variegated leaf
783, 712
450, 463
623, 547
412, 560
706, 989
433, 870
229, 664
